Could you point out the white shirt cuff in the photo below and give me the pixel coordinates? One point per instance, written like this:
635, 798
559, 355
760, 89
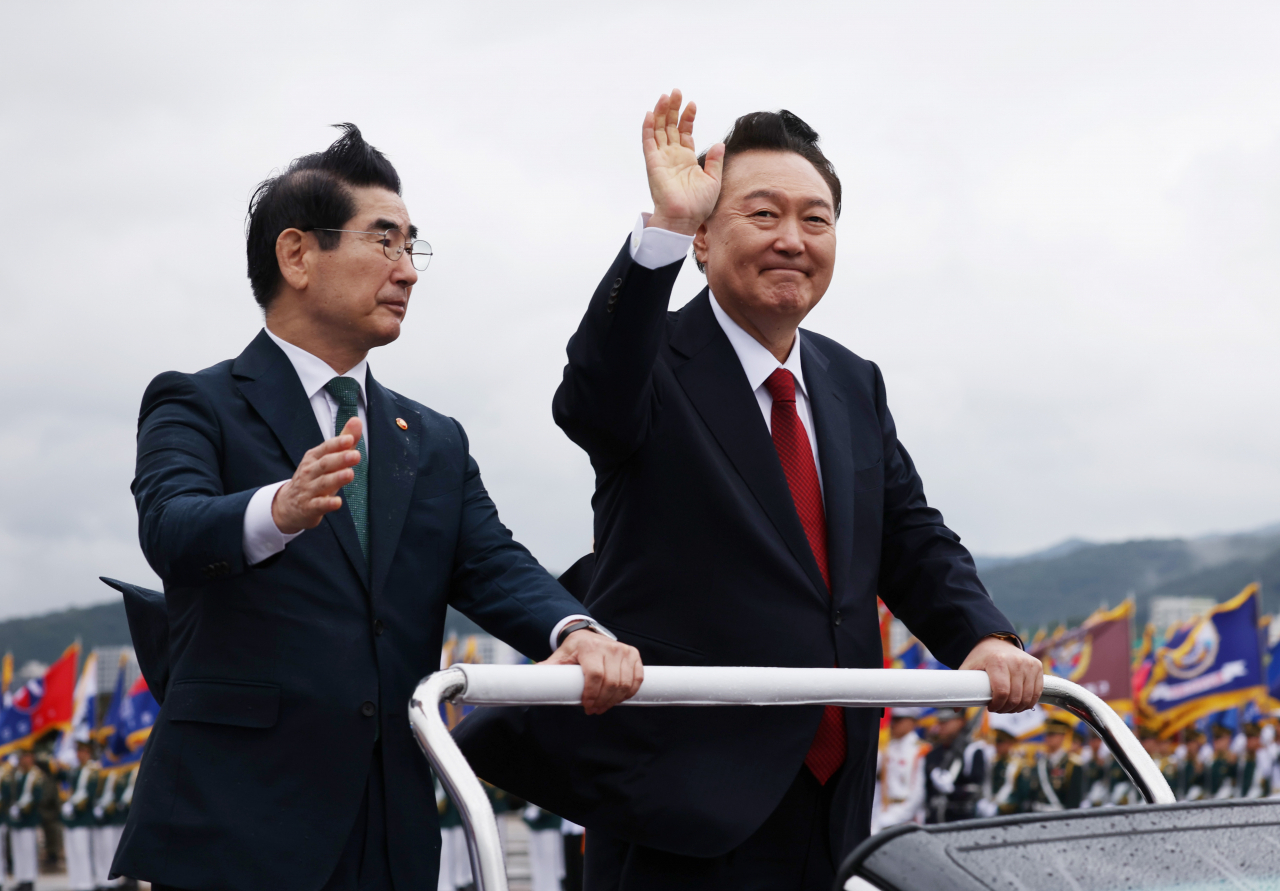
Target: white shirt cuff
654, 248
262, 537
555, 632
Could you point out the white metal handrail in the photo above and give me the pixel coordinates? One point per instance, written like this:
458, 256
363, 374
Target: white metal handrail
713, 686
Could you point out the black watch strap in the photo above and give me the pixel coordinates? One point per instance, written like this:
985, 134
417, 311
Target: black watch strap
572, 627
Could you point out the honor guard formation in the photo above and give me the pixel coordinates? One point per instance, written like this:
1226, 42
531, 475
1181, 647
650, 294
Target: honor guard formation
69, 812
942, 766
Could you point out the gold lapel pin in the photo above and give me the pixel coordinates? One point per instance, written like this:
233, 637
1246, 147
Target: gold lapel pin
402, 423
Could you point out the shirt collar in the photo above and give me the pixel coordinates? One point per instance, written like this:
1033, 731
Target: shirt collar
314, 372
757, 361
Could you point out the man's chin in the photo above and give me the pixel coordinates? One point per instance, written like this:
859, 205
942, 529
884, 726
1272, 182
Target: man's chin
385, 332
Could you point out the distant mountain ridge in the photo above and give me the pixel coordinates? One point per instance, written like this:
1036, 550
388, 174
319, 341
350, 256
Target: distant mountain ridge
1066, 582
1063, 583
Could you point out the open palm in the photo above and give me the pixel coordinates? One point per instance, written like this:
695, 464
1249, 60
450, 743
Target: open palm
684, 194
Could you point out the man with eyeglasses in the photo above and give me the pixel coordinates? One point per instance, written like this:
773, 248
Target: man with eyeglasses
310, 527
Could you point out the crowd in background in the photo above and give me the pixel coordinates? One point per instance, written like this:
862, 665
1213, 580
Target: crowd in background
63, 812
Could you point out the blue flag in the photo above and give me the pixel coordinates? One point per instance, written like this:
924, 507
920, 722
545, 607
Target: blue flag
1211, 664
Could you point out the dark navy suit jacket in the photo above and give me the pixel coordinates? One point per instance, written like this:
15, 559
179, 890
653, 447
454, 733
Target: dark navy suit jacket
281, 675
701, 559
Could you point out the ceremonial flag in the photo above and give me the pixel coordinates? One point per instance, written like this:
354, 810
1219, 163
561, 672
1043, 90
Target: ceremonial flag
138, 713
1273, 667
1211, 664
1025, 727
1095, 656
42, 705
106, 733
84, 711
117, 754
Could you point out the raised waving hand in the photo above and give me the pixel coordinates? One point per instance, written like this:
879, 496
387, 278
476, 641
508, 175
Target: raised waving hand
684, 194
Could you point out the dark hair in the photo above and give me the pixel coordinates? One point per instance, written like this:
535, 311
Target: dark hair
778, 131
311, 194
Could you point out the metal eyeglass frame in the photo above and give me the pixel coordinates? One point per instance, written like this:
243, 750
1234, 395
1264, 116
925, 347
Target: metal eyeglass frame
408, 244
711, 686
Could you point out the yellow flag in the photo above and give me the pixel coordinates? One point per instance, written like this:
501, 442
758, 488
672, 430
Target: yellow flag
6, 673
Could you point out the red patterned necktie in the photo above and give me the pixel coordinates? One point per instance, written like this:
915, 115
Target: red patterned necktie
827, 752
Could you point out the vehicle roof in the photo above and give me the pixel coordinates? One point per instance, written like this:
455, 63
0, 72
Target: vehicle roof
919, 856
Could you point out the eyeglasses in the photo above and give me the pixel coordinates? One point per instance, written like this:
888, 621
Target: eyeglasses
394, 246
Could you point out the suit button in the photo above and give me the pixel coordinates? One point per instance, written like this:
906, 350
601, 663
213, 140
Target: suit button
378, 627
617, 286
836, 617
368, 709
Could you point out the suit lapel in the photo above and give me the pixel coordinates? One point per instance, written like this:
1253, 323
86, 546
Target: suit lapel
268, 381
393, 470
717, 386
835, 454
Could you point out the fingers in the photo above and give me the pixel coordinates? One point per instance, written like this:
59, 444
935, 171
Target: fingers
354, 429
593, 682
686, 125
998, 674
637, 672
714, 165
673, 117
660, 121
611, 671
648, 141
1017, 680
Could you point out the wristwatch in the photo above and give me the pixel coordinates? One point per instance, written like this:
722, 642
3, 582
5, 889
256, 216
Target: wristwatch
581, 624
1008, 638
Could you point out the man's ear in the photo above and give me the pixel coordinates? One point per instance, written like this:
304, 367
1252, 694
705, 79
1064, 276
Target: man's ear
700, 244
292, 248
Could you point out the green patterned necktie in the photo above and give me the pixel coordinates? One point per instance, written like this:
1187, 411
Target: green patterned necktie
356, 493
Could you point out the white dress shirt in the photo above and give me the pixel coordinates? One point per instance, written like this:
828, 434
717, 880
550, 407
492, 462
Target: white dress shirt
654, 248
262, 537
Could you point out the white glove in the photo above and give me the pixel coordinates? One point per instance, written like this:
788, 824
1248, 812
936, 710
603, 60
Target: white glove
532, 812
99, 812
15, 813
942, 781
987, 808
68, 810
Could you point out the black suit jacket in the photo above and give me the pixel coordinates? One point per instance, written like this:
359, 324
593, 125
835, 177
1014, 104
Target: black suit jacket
281, 675
701, 559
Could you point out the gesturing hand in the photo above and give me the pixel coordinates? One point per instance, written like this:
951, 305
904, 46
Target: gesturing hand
611, 670
684, 194
1017, 678
302, 502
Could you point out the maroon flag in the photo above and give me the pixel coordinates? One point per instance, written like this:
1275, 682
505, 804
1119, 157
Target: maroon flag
1095, 656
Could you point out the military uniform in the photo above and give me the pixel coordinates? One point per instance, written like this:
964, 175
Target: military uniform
26, 791
953, 791
998, 790
6, 775
546, 849
106, 835
455, 860
1097, 777
1055, 782
77, 825
1222, 776
502, 803
900, 783
1253, 769
125, 784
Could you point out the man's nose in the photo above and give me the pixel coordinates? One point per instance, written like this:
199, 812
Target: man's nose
403, 273
789, 237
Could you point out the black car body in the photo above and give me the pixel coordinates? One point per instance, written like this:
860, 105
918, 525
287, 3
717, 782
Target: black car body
1190, 847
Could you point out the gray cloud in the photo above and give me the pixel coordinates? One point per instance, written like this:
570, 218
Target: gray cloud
1060, 237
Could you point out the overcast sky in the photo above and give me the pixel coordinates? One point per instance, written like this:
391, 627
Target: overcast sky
1060, 241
